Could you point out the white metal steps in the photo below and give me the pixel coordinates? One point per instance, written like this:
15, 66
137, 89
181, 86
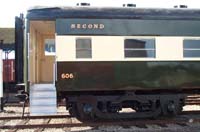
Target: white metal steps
43, 100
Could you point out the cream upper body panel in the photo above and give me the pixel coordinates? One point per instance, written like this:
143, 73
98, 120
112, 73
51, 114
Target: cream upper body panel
169, 48
111, 48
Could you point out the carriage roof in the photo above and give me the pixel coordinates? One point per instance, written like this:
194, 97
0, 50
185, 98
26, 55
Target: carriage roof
53, 13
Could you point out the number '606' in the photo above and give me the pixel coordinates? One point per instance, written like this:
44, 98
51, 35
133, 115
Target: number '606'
67, 75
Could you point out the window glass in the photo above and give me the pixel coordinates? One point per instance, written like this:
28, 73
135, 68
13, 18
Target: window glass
83, 48
142, 44
140, 53
191, 48
191, 44
191, 53
139, 48
49, 47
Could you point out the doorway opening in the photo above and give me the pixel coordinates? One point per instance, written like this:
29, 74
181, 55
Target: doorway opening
41, 52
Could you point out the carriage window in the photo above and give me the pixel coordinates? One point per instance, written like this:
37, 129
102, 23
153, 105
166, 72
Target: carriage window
83, 48
49, 47
134, 48
191, 48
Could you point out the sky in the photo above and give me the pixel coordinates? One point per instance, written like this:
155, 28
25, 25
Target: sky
11, 8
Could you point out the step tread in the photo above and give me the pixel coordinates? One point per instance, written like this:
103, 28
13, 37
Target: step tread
43, 90
50, 94
40, 114
43, 106
43, 95
43, 99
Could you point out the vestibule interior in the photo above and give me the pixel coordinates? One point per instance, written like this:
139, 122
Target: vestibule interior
41, 51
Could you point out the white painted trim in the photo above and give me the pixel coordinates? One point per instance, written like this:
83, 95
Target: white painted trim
54, 72
1, 75
55, 60
28, 56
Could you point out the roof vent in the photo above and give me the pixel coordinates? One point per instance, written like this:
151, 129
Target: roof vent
129, 5
83, 4
180, 6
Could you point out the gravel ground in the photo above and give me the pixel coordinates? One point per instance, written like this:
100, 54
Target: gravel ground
26, 130
14, 111
12, 122
33, 121
17, 111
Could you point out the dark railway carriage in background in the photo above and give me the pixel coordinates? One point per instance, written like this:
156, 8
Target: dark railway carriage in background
9, 70
104, 59
12, 46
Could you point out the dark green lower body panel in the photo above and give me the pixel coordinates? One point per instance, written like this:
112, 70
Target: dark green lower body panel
127, 75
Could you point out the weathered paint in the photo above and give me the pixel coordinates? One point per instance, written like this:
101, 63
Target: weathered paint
127, 75
110, 13
128, 27
9, 70
19, 47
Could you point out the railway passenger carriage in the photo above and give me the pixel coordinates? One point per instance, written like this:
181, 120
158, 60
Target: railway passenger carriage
104, 59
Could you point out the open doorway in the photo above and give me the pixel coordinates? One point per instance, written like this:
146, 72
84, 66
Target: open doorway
41, 52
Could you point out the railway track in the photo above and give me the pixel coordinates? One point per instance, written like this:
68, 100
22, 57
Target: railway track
34, 117
193, 112
67, 123
46, 122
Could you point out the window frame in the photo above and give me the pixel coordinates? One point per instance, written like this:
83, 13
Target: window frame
190, 49
50, 53
83, 49
140, 49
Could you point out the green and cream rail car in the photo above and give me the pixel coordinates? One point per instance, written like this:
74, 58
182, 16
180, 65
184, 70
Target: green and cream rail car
104, 59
